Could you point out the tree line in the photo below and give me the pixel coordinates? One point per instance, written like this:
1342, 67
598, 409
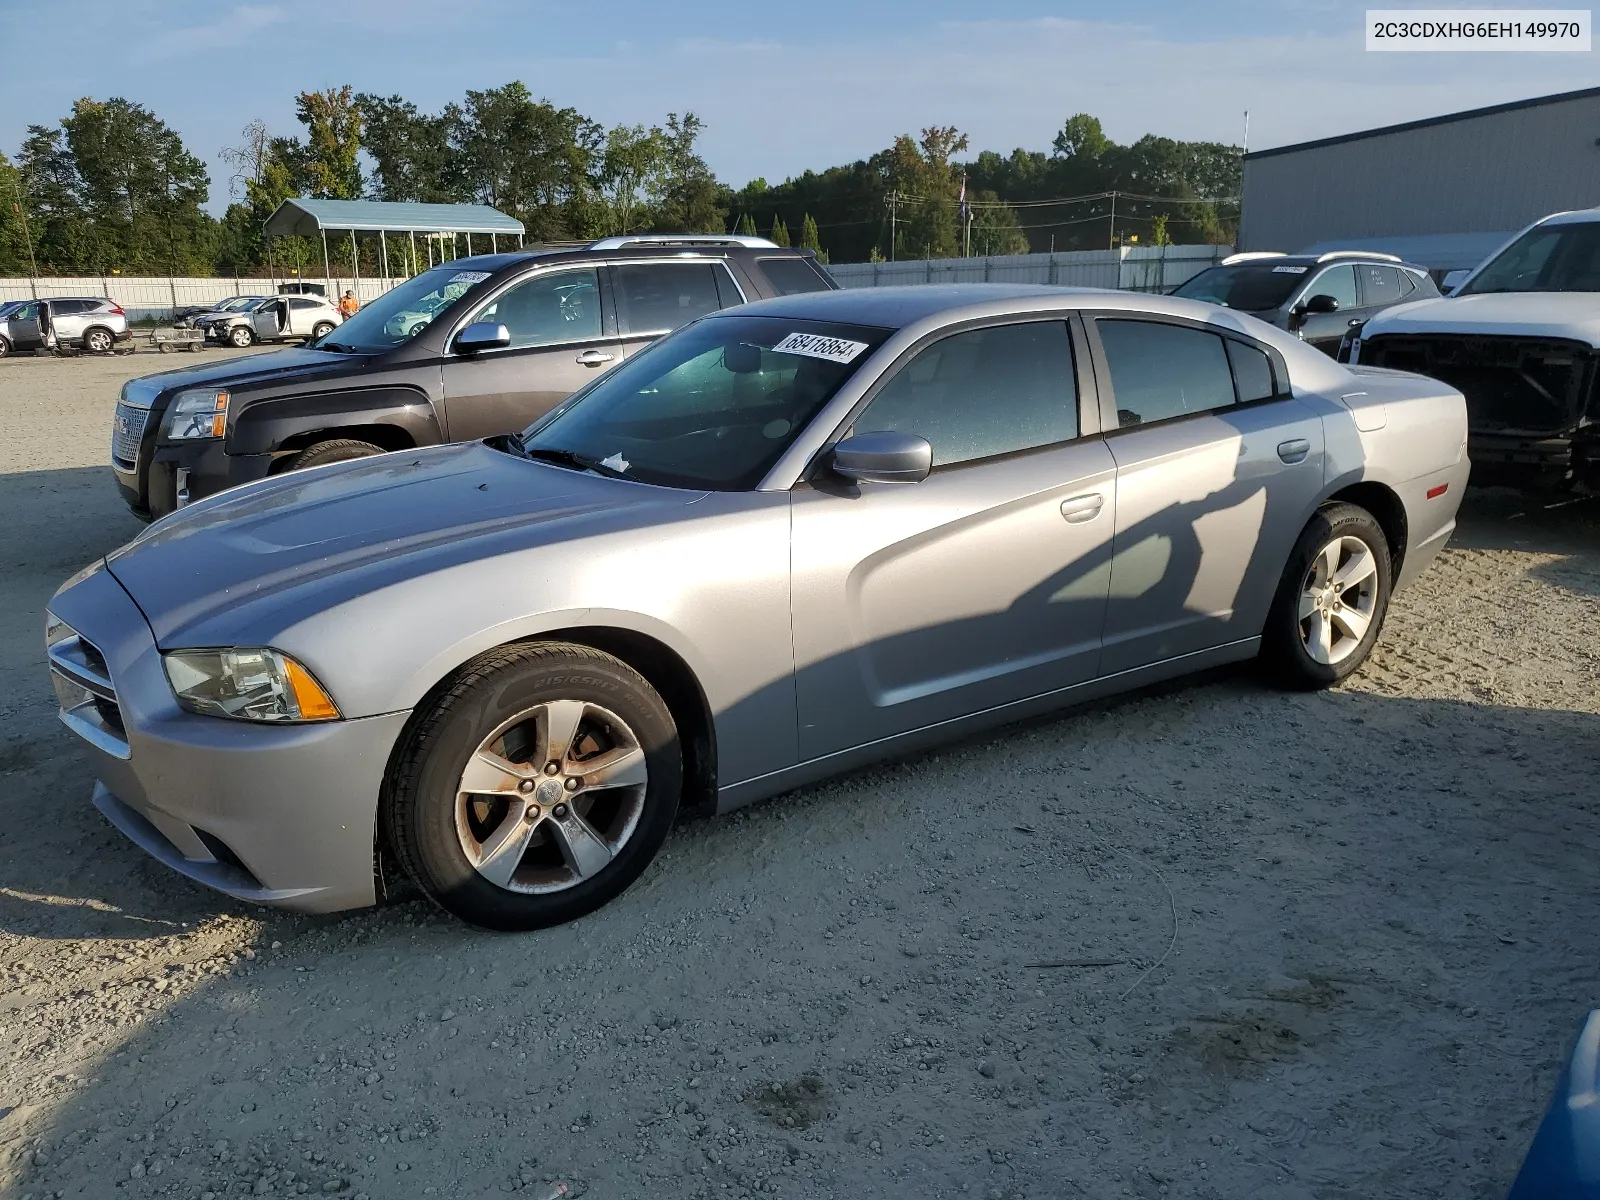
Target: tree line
111, 187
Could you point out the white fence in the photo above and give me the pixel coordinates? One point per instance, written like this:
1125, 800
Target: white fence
154, 297
1130, 268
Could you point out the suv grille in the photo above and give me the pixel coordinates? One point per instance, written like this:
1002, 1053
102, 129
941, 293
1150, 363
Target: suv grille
127, 431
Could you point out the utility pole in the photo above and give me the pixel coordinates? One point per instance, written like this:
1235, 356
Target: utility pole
894, 199
1111, 240
22, 211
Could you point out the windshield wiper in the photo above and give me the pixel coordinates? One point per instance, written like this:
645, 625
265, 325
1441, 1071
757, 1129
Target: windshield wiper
566, 458
506, 443
336, 347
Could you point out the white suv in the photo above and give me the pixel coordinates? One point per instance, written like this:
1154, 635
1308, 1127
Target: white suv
274, 319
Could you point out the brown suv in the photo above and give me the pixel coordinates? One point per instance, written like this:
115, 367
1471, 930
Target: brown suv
470, 348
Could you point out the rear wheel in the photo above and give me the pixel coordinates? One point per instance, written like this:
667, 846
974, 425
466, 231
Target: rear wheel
332, 451
536, 787
97, 340
1331, 601
241, 336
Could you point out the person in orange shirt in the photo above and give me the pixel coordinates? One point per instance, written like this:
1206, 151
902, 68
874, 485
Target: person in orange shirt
348, 304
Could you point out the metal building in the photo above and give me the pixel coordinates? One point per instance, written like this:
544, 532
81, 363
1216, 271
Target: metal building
1444, 192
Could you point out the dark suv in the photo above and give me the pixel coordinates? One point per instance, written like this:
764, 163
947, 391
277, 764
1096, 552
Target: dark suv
473, 347
1317, 296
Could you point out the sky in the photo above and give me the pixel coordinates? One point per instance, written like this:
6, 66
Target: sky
781, 87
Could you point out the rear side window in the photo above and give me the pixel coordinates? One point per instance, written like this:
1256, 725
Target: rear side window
1379, 285
982, 393
657, 297
1162, 371
793, 274
1252, 372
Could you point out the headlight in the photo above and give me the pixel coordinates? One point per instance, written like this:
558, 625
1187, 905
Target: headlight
247, 685
198, 414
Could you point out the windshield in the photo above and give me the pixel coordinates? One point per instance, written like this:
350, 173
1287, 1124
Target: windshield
1548, 258
407, 309
233, 303
712, 406
1252, 287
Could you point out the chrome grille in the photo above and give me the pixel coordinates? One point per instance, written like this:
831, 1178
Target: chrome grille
127, 431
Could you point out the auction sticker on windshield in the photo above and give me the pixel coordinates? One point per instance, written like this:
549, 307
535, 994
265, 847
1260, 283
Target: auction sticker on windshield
815, 346
1290, 270
469, 277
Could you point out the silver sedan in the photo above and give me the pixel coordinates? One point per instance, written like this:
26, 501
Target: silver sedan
782, 542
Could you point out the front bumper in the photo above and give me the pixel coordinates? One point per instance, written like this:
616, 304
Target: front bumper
274, 814
167, 477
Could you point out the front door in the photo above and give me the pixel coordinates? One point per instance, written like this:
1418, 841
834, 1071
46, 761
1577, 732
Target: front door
1323, 330
271, 320
561, 338
25, 327
1218, 469
984, 583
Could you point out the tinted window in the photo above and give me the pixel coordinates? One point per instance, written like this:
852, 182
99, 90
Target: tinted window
67, 307
656, 297
551, 307
1408, 283
1338, 282
1160, 371
791, 275
1252, 371
1548, 258
984, 392
712, 406
299, 304
1253, 287
1379, 285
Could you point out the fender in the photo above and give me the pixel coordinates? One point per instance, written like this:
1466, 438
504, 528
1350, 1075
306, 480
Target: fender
265, 425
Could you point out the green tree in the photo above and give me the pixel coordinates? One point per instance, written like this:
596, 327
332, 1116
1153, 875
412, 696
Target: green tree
633, 157
746, 226
780, 232
330, 158
410, 150
1081, 139
685, 192
16, 256
809, 238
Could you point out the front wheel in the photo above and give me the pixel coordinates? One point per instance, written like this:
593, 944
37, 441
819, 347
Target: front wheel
321, 330
535, 787
1331, 601
5, 347
241, 336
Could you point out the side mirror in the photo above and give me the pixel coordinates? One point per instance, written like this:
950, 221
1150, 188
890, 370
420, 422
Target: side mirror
482, 335
1321, 303
883, 458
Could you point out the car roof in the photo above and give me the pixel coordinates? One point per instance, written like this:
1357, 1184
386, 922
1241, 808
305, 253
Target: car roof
658, 249
1327, 258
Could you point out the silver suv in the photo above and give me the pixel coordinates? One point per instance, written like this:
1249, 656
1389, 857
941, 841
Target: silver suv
271, 319
92, 323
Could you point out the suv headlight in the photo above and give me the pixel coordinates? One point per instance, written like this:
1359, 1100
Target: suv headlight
198, 414
247, 685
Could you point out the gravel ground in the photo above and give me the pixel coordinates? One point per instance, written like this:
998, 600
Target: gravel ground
1212, 941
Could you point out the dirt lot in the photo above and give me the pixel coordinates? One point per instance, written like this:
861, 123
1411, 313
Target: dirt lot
1347, 938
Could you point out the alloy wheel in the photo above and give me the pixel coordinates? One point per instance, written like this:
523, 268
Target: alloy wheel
551, 796
99, 341
1338, 599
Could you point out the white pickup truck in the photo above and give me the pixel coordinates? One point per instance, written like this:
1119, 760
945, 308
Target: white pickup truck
1520, 338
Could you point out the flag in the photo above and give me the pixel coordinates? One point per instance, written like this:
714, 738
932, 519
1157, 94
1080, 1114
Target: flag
962, 198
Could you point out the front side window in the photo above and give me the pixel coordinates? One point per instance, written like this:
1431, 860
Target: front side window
1161, 371
1338, 282
548, 309
712, 406
405, 310
984, 392
656, 297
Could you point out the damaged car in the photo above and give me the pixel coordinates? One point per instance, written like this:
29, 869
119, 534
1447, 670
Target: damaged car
1520, 338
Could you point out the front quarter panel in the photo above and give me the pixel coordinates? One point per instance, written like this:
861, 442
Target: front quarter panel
711, 583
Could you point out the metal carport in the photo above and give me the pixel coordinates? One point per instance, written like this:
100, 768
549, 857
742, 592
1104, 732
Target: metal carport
296, 217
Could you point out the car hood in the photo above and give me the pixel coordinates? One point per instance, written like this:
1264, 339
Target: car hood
314, 538
297, 363
1573, 315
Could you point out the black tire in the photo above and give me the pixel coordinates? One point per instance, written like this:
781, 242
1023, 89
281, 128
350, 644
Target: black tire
419, 805
321, 330
1286, 650
98, 340
331, 451
5, 347
241, 336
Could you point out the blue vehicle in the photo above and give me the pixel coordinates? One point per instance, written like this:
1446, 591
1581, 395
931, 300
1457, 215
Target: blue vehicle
1564, 1161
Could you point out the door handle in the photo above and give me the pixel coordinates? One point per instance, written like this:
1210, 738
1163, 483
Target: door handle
1294, 450
1082, 508
593, 358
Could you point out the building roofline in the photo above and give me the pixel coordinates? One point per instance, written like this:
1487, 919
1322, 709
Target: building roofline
1427, 122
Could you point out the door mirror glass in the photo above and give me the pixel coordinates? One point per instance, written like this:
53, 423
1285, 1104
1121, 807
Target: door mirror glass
1321, 303
482, 335
884, 457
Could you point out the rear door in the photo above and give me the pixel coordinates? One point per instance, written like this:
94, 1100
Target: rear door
655, 297
1218, 468
561, 337
981, 585
67, 319
302, 315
